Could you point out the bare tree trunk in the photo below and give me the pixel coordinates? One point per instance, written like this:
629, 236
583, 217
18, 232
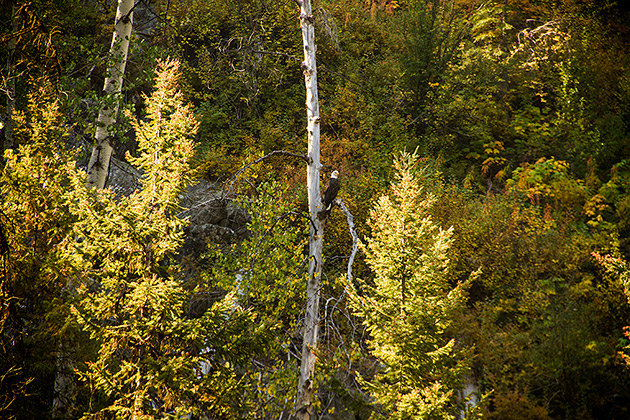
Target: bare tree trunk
65, 379
99, 161
63, 406
8, 125
304, 407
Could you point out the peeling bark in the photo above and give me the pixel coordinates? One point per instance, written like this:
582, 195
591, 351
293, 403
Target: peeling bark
65, 385
98, 166
304, 406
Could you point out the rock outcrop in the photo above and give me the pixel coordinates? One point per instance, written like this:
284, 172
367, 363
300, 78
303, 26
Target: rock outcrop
212, 217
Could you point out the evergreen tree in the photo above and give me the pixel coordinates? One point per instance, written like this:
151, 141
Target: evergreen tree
34, 223
152, 358
410, 306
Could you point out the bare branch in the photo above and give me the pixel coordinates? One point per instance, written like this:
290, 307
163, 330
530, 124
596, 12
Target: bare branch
292, 57
353, 232
238, 173
268, 231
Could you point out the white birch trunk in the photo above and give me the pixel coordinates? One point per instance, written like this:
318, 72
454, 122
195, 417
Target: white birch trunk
101, 154
65, 378
63, 406
304, 407
469, 396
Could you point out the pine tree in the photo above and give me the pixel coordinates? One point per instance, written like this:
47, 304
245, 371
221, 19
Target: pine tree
34, 224
410, 305
153, 359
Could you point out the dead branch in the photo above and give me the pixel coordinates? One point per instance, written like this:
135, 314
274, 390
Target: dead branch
238, 173
292, 57
353, 232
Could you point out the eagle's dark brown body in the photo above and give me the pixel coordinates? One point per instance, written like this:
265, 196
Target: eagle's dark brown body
330, 194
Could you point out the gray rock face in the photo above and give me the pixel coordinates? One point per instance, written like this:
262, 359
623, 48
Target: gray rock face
123, 178
212, 217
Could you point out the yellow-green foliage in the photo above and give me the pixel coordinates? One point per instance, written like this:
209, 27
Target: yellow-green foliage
538, 315
522, 98
131, 300
34, 277
165, 142
266, 273
548, 181
410, 306
618, 268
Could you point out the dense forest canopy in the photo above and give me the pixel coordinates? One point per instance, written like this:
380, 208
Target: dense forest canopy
483, 150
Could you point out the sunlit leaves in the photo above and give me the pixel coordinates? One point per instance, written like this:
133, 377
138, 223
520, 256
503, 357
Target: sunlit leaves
410, 306
548, 179
153, 358
36, 222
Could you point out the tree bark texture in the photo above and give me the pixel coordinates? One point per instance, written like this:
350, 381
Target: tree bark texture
63, 406
304, 406
98, 166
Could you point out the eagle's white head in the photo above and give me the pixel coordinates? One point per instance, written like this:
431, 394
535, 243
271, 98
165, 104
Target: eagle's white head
335, 174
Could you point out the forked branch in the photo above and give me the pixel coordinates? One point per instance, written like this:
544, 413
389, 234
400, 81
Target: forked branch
238, 173
353, 233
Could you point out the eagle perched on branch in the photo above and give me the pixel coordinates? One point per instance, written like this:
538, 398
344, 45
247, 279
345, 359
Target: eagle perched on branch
330, 194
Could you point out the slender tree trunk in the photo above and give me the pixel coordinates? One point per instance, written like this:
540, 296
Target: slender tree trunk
8, 125
304, 408
98, 167
63, 406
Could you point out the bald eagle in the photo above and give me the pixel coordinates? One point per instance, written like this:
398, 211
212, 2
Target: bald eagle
330, 194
